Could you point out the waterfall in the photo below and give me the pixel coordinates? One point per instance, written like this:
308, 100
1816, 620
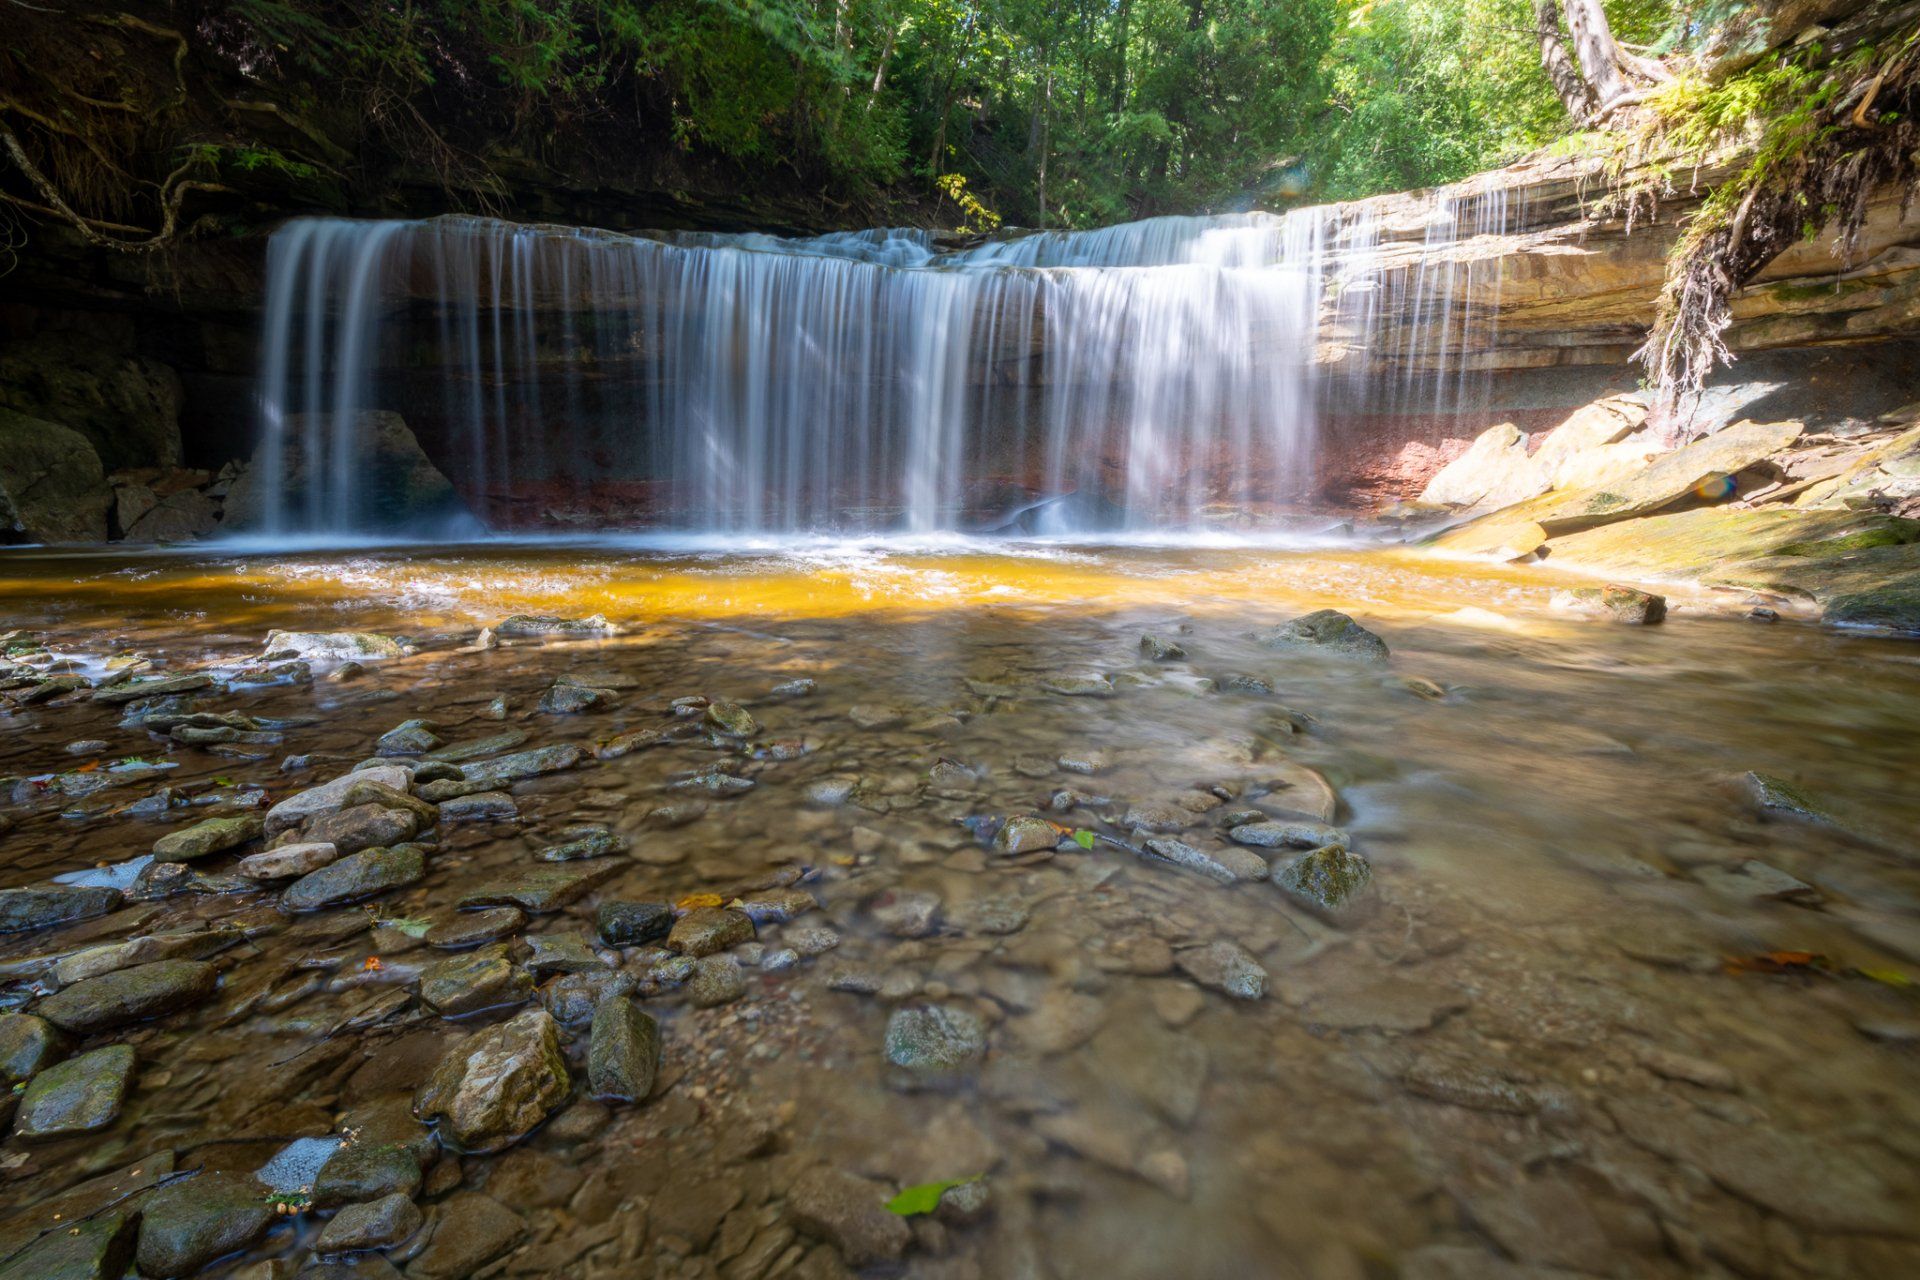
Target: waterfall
1158, 375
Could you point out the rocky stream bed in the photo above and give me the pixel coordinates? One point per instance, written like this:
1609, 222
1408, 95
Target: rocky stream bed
1106, 913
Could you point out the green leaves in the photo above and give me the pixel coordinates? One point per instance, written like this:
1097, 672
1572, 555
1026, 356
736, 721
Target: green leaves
1084, 838
924, 1197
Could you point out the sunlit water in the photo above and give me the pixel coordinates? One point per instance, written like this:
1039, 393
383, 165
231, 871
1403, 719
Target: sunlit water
1550, 1045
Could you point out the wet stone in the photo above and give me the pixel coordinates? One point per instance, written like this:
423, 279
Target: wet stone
188, 1224
494, 744
94, 1248
329, 796
284, 862
1295, 835
472, 928
365, 826
716, 980
628, 924
1226, 967
705, 930
1614, 602
356, 877
814, 940
362, 1171
129, 995
214, 835
1330, 631
1754, 879
873, 716
562, 953
1000, 915
850, 1214
1773, 795
79, 1095
1227, 866
471, 981
495, 1087
480, 806
1332, 882
43, 906
932, 1042
623, 1056
732, 720
715, 782
525, 625
465, 1233
570, 699
574, 998
905, 913
542, 887
776, 906
27, 1045
1024, 833
525, 764
378, 1224
410, 738
587, 840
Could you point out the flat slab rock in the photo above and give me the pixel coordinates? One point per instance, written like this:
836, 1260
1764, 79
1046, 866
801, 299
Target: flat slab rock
79, 1095
129, 995
357, 876
850, 1214
495, 1087
1379, 1004
541, 887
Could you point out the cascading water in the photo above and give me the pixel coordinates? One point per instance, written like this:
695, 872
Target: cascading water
1154, 375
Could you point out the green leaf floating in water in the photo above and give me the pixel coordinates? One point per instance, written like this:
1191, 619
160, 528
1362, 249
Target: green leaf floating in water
1084, 838
412, 926
922, 1198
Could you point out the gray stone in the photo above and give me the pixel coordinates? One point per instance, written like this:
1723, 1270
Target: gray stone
1670, 478
623, 1056
43, 906
329, 796
716, 980
129, 995
159, 687
542, 887
356, 877
186, 1225
331, 646
213, 835
466, 1233
930, 1042
472, 928
409, 738
1330, 631
904, 913
494, 1088
570, 699
1024, 833
525, 764
284, 862
362, 1171
93, 1248
379, 1224
534, 625
79, 1095
1157, 649
1295, 835
1332, 882
628, 924
586, 840
850, 1214
1226, 967
705, 930
732, 720
471, 981
1224, 865
562, 953
52, 488
480, 806
27, 1045
364, 826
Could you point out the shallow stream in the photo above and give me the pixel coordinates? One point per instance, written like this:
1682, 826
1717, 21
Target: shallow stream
1605, 1015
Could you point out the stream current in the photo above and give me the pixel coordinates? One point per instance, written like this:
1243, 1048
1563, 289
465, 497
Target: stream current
1607, 1016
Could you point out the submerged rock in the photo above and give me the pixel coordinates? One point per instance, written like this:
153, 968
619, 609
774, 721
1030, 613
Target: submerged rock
904, 913
495, 1087
186, 1225
932, 1042
624, 1054
629, 924
1329, 630
472, 981
99, 1247
568, 699
1224, 865
1621, 604
1776, 795
480, 806
542, 887
588, 840
525, 764
361, 1171
1298, 835
42, 906
1226, 967
379, 1224
1158, 650
358, 876
79, 1095
523, 625
466, 1232
1024, 833
213, 835
731, 719
850, 1214
716, 980
28, 1044
1332, 882
409, 738
705, 930
129, 995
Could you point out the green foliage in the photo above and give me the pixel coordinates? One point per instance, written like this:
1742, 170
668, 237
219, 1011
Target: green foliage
924, 1197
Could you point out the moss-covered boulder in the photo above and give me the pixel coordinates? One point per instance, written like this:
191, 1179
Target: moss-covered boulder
52, 486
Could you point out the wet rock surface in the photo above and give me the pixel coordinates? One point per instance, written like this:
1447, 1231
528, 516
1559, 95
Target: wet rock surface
1117, 971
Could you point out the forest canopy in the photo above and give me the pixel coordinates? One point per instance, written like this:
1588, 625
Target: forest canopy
1035, 112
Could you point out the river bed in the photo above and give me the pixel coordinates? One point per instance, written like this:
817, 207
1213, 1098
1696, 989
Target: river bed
1607, 1008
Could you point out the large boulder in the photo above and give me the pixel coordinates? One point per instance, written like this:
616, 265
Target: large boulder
495, 1087
394, 484
1494, 472
1693, 470
126, 407
52, 486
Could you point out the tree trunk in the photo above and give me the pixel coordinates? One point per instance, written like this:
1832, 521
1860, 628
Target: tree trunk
1573, 90
1599, 56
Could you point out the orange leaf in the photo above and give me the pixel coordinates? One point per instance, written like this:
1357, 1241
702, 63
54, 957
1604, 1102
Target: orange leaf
1777, 962
694, 901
